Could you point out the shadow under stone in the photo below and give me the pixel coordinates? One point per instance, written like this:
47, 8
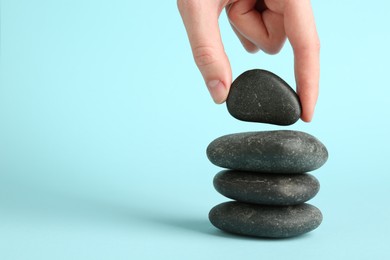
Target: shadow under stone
204, 226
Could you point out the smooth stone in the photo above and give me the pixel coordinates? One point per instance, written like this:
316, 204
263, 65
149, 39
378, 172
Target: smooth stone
282, 151
266, 188
265, 221
261, 96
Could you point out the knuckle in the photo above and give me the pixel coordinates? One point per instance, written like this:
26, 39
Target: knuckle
232, 13
272, 50
251, 48
277, 6
273, 47
204, 56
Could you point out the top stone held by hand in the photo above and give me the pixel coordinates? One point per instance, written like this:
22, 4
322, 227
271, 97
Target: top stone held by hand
261, 96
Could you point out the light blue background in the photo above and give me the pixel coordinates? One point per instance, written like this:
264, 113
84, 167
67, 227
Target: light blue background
104, 122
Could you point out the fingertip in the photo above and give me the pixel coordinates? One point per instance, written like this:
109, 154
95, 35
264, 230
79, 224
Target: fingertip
218, 78
308, 95
306, 118
218, 91
307, 112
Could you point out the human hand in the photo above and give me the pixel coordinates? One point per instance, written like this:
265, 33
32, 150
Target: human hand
261, 24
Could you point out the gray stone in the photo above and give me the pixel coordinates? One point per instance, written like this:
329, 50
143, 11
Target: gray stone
266, 188
265, 221
282, 151
261, 96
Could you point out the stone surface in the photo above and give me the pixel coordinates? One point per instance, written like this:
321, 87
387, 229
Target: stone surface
266, 188
282, 151
261, 96
265, 221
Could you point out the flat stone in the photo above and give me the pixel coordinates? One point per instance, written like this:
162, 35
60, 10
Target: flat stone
282, 151
266, 188
265, 221
261, 96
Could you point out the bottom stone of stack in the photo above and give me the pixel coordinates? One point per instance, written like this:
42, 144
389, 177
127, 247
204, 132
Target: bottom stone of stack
265, 220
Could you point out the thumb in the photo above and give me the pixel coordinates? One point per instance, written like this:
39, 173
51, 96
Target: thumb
201, 22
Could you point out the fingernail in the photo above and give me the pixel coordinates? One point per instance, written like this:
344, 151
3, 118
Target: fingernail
217, 91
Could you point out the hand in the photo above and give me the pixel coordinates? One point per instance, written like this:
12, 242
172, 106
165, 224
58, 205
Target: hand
263, 25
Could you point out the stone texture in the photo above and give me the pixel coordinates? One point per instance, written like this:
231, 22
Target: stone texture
265, 221
261, 96
282, 151
266, 188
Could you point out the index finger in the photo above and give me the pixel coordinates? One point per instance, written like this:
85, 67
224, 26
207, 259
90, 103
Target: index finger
302, 33
201, 21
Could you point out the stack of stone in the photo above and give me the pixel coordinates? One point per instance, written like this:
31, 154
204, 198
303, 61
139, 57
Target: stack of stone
267, 176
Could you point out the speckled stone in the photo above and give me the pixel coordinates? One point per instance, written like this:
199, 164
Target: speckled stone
266, 188
265, 221
282, 151
261, 96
